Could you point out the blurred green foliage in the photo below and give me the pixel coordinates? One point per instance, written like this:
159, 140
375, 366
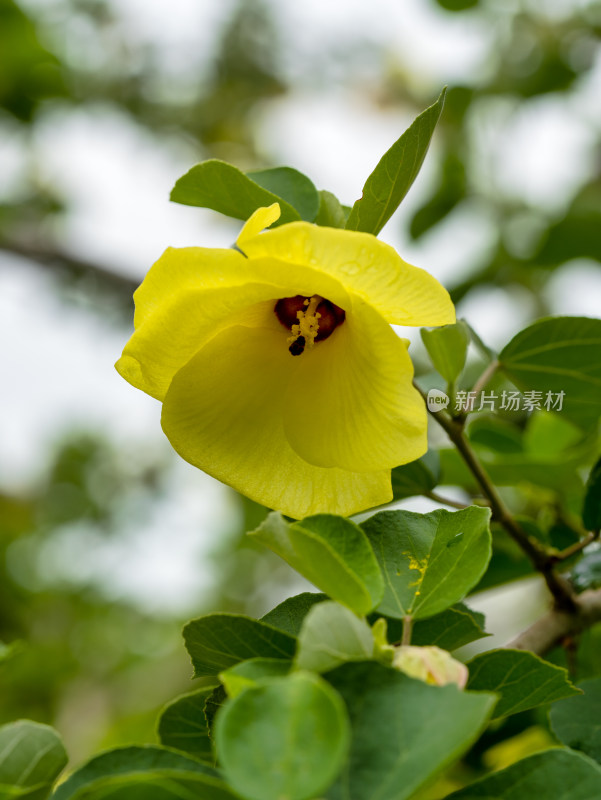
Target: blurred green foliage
107, 665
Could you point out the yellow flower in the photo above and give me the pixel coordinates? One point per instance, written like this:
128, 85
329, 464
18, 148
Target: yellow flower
276, 364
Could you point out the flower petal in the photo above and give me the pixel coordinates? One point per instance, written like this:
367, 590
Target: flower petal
365, 266
177, 330
352, 404
259, 220
191, 294
182, 269
224, 414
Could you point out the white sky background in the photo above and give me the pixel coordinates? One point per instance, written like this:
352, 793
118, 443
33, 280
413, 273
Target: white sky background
56, 361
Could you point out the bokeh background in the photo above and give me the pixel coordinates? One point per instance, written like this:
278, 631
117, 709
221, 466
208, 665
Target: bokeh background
108, 541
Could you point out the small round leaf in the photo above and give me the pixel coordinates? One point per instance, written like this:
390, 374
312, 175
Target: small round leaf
286, 739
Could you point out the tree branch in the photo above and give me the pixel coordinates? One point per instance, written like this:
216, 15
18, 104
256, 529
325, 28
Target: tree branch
543, 561
549, 631
54, 257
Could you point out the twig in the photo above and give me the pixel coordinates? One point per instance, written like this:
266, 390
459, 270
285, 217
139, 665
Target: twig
485, 377
542, 560
445, 501
407, 629
576, 547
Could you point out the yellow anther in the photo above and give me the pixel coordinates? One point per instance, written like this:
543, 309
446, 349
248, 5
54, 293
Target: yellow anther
307, 327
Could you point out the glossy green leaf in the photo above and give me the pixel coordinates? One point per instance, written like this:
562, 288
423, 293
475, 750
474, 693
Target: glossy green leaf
288, 616
31, 758
447, 347
183, 725
591, 510
163, 784
292, 186
416, 478
129, 761
430, 561
219, 641
331, 213
332, 634
521, 679
403, 731
331, 552
284, 739
394, 175
559, 354
224, 188
250, 672
552, 775
576, 720
449, 630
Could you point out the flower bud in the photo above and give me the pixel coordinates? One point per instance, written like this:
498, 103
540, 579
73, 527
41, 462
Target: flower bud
431, 665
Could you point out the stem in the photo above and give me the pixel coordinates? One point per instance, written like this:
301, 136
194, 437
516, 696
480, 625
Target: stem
557, 625
445, 501
407, 628
485, 377
538, 555
577, 546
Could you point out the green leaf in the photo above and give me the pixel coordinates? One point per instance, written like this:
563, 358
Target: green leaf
550, 435
575, 720
487, 352
292, 186
553, 775
495, 434
331, 552
284, 739
8, 651
250, 672
182, 725
416, 478
126, 761
449, 630
219, 641
520, 678
431, 561
332, 634
559, 354
331, 213
586, 574
164, 784
289, 615
393, 176
591, 510
447, 347
403, 731
213, 704
224, 188
31, 758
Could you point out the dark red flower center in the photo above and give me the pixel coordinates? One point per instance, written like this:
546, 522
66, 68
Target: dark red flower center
309, 319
